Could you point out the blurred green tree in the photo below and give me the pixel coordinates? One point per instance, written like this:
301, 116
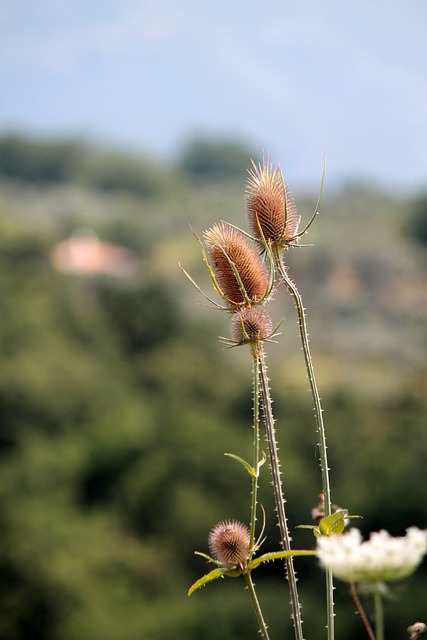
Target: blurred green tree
418, 222
114, 171
207, 160
40, 161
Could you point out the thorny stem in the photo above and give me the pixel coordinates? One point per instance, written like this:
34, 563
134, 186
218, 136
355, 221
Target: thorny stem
256, 446
278, 492
361, 611
292, 288
261, 622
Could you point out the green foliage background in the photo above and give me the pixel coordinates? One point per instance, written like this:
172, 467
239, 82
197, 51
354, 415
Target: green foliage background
117, 402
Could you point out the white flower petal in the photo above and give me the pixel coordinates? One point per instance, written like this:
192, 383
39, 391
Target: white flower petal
381, 558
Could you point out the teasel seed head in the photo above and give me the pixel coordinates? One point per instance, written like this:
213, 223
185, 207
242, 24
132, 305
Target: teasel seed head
228, 246
270, 205
250, 324
229, 543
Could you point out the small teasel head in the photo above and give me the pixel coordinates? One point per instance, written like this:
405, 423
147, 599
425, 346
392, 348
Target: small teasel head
240, 273
271, 209
250, 325
229, 543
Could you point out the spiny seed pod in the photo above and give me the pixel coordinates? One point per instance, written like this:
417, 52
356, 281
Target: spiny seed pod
226, 246
229, 543
270, 205
250, 324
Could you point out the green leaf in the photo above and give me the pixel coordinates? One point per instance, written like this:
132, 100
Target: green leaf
332, 524
277, 555
212, 575
249, 468
194, 283
314, 529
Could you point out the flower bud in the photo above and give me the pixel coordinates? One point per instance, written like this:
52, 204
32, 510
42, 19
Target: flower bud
270, 205
229, 542
228, 246
250, 324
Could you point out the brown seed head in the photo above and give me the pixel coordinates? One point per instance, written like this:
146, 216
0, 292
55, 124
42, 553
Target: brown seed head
270, 205
229, 542
227, 245
250, 324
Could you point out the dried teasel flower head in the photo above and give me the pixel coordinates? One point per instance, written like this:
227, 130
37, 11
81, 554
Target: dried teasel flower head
237, 265
270, 206
250, 325
229, 543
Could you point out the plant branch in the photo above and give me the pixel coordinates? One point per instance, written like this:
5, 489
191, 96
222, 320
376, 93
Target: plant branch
256, 464
261, 622
278, 492
320, 427
361, 611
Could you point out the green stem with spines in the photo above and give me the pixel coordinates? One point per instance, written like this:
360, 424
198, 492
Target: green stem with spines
256, 464
293, 290
257, 608
278, 491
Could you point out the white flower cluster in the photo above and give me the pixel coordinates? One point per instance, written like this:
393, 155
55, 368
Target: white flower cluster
381, 558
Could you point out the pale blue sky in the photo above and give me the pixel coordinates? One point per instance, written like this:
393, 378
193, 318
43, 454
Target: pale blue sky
293, 78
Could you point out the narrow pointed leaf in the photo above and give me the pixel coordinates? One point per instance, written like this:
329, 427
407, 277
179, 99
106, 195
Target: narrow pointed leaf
194, 283
239, 280
315, 530
249, 468
210, 270
277, 555
205, 556
262, 461
316, 209
212, 575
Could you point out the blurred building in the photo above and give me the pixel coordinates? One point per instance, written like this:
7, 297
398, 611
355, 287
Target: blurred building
84, 254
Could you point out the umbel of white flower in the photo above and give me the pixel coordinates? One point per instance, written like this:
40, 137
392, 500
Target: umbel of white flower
382, 558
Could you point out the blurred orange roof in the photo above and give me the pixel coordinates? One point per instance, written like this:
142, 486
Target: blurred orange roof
84, 254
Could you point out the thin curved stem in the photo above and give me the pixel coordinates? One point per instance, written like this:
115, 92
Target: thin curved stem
278, 492
258, 612
313, 386
323, 456
361, 611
